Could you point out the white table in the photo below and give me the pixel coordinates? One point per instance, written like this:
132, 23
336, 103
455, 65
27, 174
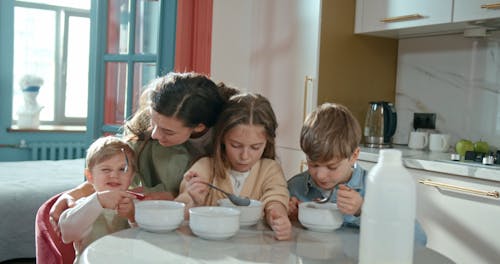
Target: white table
250, 245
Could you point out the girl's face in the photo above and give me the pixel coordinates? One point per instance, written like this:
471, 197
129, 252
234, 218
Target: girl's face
110, 174
244, 146
170, 131
328, 174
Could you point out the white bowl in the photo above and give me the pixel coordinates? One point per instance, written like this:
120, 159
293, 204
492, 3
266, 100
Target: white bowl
213, 222
159, 215
250, 215
320, 217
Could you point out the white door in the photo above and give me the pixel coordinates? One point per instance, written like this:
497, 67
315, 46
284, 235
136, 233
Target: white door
271, 47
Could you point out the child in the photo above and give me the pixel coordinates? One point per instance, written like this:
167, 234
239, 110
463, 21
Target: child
243, 163
330, 139
109, 168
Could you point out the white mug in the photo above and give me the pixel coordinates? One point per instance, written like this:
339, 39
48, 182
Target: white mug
439, 142
418, 140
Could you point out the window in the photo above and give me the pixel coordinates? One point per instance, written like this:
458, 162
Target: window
51, 41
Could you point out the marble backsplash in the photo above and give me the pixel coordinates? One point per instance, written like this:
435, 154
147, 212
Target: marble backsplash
455, 77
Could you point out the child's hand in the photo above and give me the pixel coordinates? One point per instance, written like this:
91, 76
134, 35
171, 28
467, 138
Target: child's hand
126, 209
111, 199
349, 201
279, 222
62, 203
293, 208
197, 190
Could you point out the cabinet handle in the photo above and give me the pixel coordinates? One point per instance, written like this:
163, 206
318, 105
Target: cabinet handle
306, 89
491, 6
428, 182
303, 164
401, 18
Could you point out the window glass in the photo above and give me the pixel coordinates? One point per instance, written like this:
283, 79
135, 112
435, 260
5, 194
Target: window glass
118, 26
68, 3
34, 53
115, 93
143, 74
146, 26
77, 68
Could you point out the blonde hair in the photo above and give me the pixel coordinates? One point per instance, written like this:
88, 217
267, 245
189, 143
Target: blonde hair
331, 131
246, 109
106, 147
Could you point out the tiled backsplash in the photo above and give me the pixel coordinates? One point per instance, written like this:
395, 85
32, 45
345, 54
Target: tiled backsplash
455, 77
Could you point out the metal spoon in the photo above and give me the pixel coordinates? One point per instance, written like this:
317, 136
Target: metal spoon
325, 199
235, 199
126, 161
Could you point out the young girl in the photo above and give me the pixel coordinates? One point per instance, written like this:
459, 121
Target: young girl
109, 168
243, 163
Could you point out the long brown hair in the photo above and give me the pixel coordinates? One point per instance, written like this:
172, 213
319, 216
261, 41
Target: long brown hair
246, 109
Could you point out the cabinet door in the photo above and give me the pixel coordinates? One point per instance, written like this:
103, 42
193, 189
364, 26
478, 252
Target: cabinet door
461, 226
292, 161
467, 10
378, 15
270, 47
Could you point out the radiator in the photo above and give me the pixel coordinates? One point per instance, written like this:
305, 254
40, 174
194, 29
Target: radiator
57, 150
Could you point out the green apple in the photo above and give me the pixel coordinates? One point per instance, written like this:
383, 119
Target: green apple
481, 146
464, 145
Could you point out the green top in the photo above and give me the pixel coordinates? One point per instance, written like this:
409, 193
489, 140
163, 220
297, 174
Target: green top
160, 169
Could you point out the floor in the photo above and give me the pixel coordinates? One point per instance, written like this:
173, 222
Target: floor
20, 261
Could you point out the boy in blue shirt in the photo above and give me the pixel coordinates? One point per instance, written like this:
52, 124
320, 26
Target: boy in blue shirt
330, 139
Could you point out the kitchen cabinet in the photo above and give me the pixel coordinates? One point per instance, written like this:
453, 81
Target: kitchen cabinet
300, 54
466, 10
379, 15
460, 225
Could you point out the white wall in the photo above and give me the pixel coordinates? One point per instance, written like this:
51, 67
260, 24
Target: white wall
455, 77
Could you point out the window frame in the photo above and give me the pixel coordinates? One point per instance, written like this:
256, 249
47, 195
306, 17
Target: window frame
61, 50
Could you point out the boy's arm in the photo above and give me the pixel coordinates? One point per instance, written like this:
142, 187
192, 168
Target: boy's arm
76, 222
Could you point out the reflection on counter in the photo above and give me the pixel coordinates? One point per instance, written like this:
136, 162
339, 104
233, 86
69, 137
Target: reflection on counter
437, 162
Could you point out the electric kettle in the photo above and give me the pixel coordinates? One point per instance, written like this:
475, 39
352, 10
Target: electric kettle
380, 125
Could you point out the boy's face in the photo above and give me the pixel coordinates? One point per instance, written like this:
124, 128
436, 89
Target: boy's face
110, 174
244, 145
328, 174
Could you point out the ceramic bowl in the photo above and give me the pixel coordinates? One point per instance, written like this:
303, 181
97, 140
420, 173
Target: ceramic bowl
250, 215
214, 222
320, 217
159, 215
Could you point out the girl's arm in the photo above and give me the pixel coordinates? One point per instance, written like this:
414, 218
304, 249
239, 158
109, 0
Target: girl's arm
277, 218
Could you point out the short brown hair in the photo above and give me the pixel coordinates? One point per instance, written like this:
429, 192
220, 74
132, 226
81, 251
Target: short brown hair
106, 147
331, 131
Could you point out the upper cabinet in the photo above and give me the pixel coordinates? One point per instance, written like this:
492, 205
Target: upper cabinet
377, 15
467, 10
411, 18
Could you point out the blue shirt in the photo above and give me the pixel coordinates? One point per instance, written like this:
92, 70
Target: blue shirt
303, 187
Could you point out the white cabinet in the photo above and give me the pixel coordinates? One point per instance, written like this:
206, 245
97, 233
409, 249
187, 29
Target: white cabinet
467, 10
462, 226
271, 47
379, 15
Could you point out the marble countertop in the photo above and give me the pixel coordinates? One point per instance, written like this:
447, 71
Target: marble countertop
437, 162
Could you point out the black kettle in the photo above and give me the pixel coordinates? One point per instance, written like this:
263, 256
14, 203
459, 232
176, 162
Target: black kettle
380, 125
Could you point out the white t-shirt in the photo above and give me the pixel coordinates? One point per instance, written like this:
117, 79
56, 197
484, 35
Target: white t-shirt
237, 180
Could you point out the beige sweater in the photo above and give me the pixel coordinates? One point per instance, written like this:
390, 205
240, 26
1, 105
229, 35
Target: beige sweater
266, 183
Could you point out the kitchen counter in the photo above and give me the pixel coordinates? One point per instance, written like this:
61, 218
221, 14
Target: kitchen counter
437, 162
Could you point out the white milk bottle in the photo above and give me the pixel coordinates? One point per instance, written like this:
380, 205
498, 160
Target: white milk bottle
388, 212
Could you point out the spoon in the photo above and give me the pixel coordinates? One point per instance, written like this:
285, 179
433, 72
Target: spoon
235, 199
126, 161
325, 199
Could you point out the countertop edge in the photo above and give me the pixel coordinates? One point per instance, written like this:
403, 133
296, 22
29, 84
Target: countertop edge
437, 162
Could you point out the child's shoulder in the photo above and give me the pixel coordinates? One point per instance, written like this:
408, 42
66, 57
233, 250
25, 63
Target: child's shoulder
299, 178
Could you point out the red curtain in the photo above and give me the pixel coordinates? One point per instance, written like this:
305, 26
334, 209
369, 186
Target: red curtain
193, 42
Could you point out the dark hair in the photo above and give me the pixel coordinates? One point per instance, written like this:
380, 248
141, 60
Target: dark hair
246, 109
192, 98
